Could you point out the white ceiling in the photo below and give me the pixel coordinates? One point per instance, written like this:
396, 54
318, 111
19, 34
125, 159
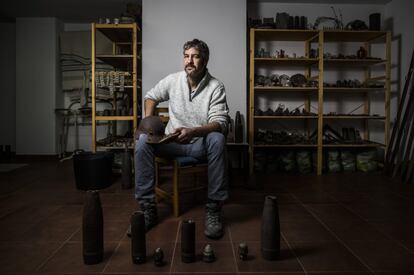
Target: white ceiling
361, 2
90, 10
66, 10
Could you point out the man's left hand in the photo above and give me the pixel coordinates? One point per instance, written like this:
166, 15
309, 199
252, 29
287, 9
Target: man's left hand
186, 134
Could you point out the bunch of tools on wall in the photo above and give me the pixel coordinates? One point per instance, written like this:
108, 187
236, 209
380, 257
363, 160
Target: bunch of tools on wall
399, 160
112, 94
355, 83
348, 135
282, 110
283, 80
361, 53
284, 20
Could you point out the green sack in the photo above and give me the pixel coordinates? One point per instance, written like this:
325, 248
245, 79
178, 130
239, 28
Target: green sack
334, 162
367, 161
304, 161
348, 161
287, 161
259, 161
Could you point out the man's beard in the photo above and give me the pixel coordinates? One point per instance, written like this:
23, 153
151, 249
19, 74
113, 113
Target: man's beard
194, 73
191, 73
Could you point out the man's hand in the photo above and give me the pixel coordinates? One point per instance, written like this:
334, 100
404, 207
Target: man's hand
186, 134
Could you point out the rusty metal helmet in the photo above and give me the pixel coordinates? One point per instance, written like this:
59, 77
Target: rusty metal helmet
153, 127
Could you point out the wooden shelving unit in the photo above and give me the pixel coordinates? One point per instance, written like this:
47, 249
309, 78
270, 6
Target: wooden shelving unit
353, 62
319, 65
287, 61
351, 90
122, 36
353, 117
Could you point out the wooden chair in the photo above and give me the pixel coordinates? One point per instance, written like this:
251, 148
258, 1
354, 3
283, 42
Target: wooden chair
181, 166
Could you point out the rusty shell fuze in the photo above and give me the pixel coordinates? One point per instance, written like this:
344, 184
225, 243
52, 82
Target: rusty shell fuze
92, 229
243, 251
158, 257
270, 234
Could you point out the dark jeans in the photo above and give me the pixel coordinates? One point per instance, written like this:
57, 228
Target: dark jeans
211, 148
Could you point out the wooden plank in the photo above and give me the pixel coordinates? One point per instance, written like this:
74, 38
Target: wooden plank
285, 89
286, 61
114, 26
367, 75
387, 89
306, 96
251, 102
93, 86
283, 145
351, 90
373, 144
353, 62
114, 118
134, 80
320, 104
355, 117
285, 117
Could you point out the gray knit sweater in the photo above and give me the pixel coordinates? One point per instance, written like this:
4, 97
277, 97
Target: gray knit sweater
205, 105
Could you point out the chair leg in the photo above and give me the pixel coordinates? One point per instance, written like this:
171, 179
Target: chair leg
196, 184
156, 178
175, 191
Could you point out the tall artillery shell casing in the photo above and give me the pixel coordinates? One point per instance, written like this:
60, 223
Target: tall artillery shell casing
188, 241
138, 242
126, 180
270, 239
92, 229
238, 128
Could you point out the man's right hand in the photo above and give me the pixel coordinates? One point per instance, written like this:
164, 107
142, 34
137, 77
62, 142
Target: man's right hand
149, 107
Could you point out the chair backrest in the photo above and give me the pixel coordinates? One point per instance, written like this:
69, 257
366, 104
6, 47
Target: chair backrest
162, 112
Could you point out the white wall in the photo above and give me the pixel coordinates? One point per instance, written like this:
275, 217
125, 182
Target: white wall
8, 80
167, 24
36, 85
71, 27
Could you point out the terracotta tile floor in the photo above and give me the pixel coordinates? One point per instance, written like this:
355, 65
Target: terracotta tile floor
341, 224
